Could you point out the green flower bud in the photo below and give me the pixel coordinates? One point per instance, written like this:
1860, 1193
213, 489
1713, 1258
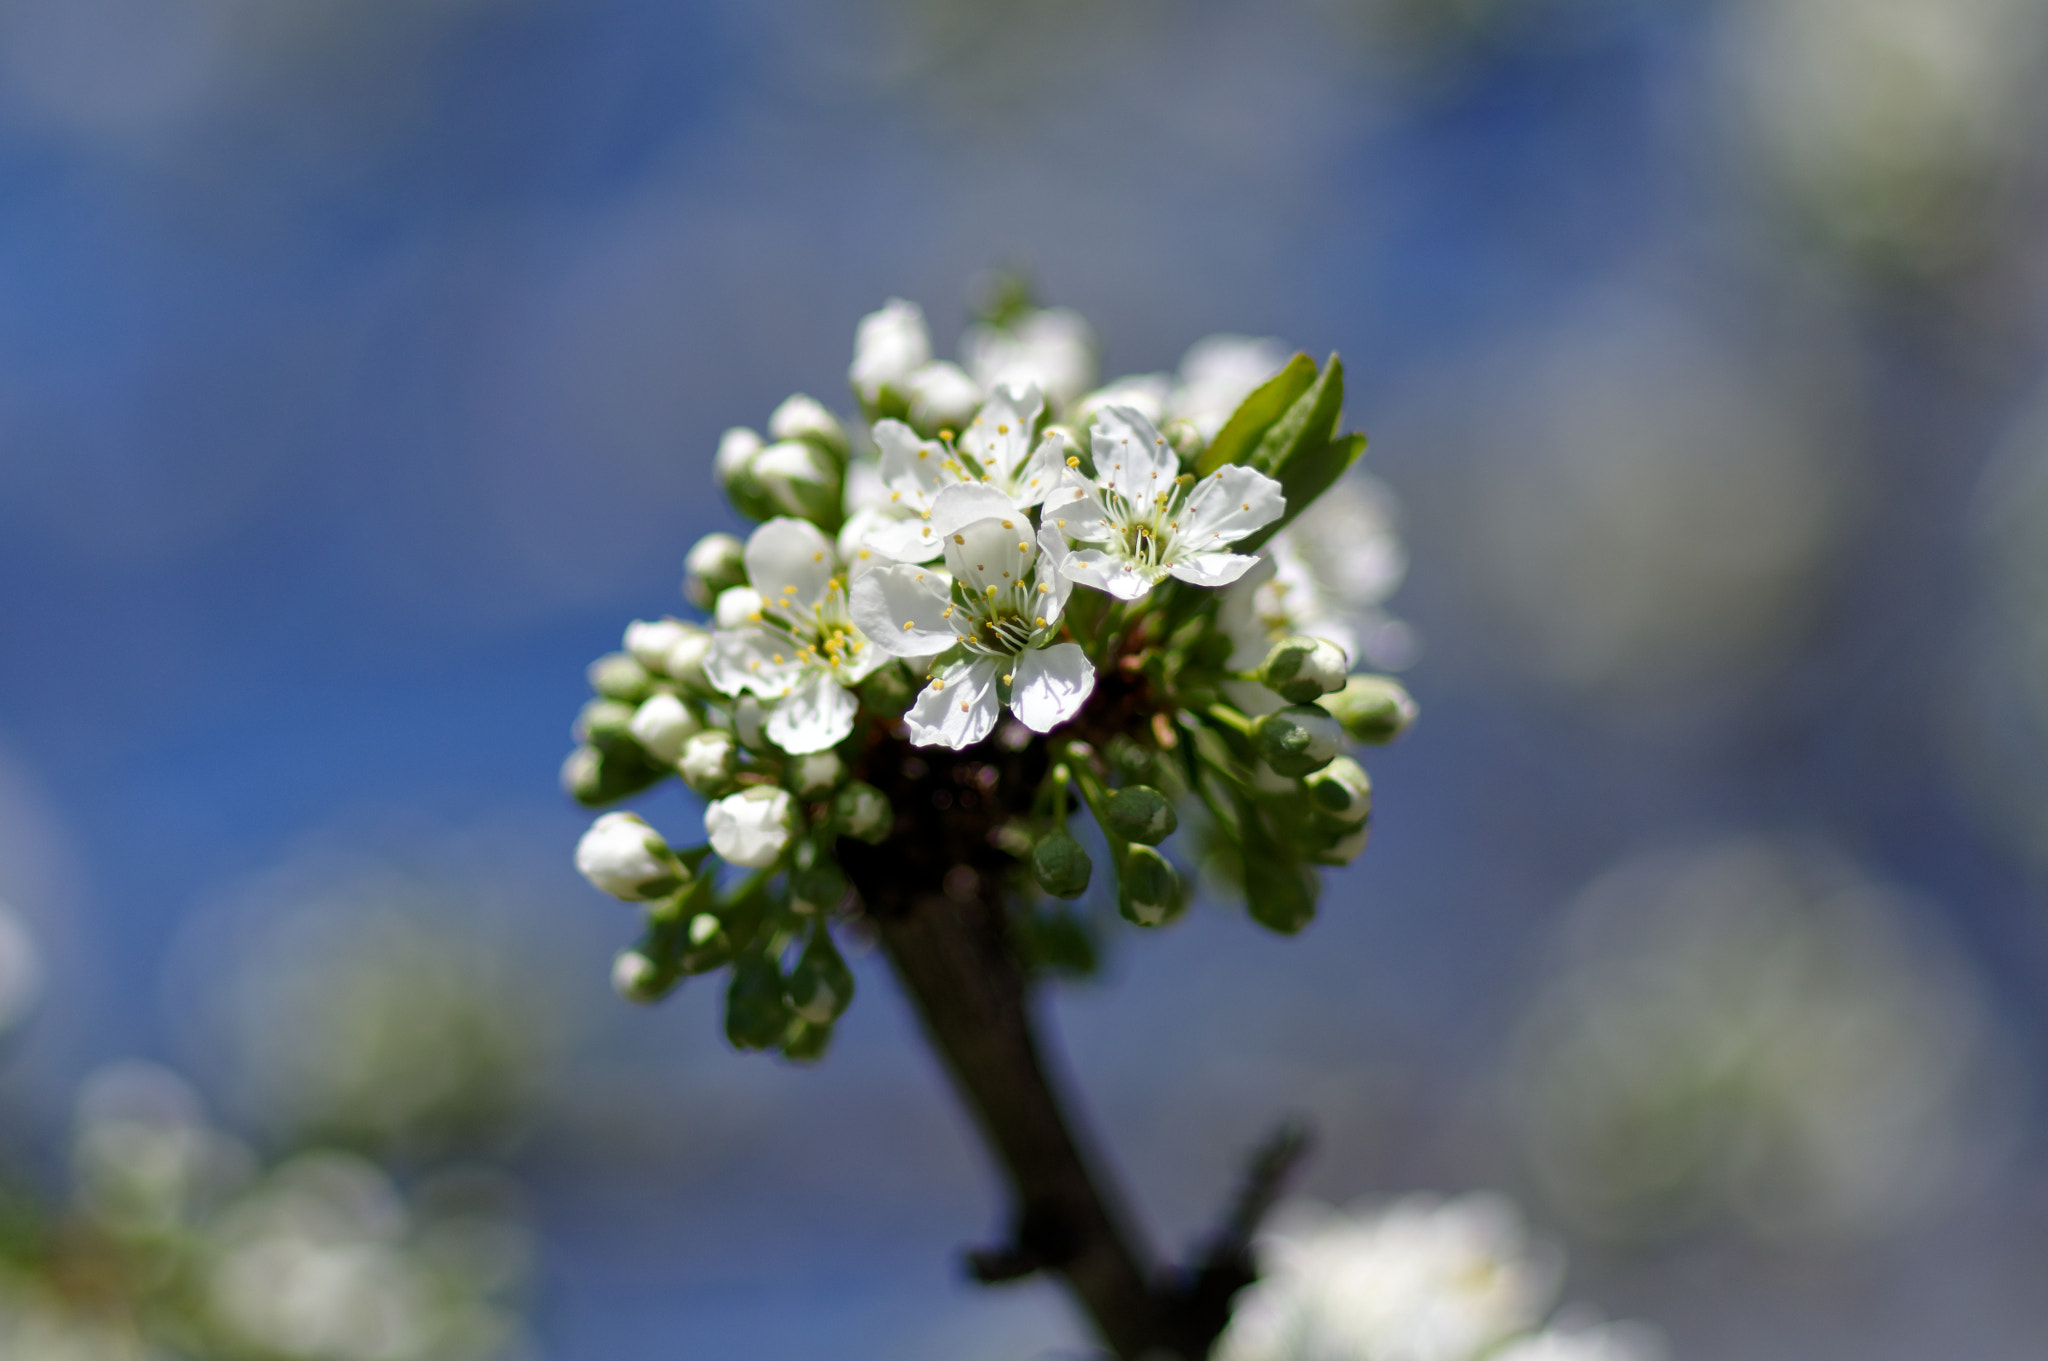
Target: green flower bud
734, 466
1142, 814
1341, 790
707, 761
1279, 893
604, 723
799, 480
706, 944
1346, 848
1150, 892
816, 775
887, 692
1298, 740
750, 724
685, 661
862, 812
662, 724
820, 986
716, 562
818, 888
617, 676
1060, 865
806, 418
804, 1042
649, 641
594, 778
1374, 709
637, 978
755, 1012
1302, 669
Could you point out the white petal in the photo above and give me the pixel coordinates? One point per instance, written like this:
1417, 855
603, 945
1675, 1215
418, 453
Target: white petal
999, 438
1212, 569
958, 709
1076, 510
863, 489
1131, 457
789, 562
888, 346
818, 714
1050, 684
909, 465
965, 502
993, 552
942, 395
1093, 567
752, 659
1052, 557
1229, 504
1041, 472
902, 610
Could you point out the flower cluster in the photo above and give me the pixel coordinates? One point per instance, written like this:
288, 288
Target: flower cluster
1068, 595
1418, 1280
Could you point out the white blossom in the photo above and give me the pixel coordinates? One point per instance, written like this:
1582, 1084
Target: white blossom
1001, 607
1151, 520
707, 760
1052, 349
942, 395
797, 649
1420, 1280
1217, 374
753, 827
889, 346
996, 454
623, 856
662, 724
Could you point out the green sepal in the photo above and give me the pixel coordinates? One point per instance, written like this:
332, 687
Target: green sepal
756, 1014
595, 778
1141, 814
1060, 865
820, 987
1150, 891
1256, 414
803, 1042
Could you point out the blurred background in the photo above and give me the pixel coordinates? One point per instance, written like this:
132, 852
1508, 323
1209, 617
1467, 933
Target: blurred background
361, 365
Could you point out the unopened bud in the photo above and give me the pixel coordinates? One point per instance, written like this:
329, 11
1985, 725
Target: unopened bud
750, 723
755, 1012
1346, 848
1374, 709
888, 347
1298, 740
617, 676
805, 418
604, 723
806, 1042
753, 827
686, 660
943, 397
736, 449
799, 480
708, 760
1142, 814
820, 986
1279, 893
816, 775
1060, 865
706, 945
888, 690
716, 562
736, 608
1341, 790
662, 724
817, 889
649, 641
623, 856
594, 778
863, 812
637, 978
1302, 669
1150, 892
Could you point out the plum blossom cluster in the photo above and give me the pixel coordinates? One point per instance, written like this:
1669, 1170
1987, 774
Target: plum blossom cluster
1143, 599
1420, 1279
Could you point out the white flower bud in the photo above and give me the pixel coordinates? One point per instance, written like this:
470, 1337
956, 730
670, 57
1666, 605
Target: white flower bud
707, 761
737, 607
805, 418
626, 858
752, 828
863, 812
1299, 739
715, 562
650, 641
662, 724
736, 450
888, 347
1301, 669
1342, 790
636, 978
748, 720
797, 478
943, 396
816, 775
686, 660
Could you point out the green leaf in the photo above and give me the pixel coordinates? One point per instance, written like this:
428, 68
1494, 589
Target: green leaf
1304, 479
1307, 425
1256, 414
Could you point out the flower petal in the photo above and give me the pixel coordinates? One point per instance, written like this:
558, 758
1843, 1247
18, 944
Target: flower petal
1228, 505
959, 708
899, 540
1131, 457
1041, 472
1093, 567
903, 610
817, 714
999, 438
1211, 569
909, 465
965, 502
752, 659
1050, 684
789, 562
1052, 557
1075, 508
991, 553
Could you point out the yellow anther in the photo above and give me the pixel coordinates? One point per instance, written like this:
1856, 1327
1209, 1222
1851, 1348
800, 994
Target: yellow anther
960, 538
1073, 461
1044, 589
963, 706
948, 614
1001, 430
865, 555
1008, 525
1247, 505
1023, 547
908, 625
992, 589
778, 659
938, 685
818, 556
1041, 621
894, 497
1008, 676
924, 453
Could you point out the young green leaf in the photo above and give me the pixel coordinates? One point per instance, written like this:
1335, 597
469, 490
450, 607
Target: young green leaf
1256, 414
